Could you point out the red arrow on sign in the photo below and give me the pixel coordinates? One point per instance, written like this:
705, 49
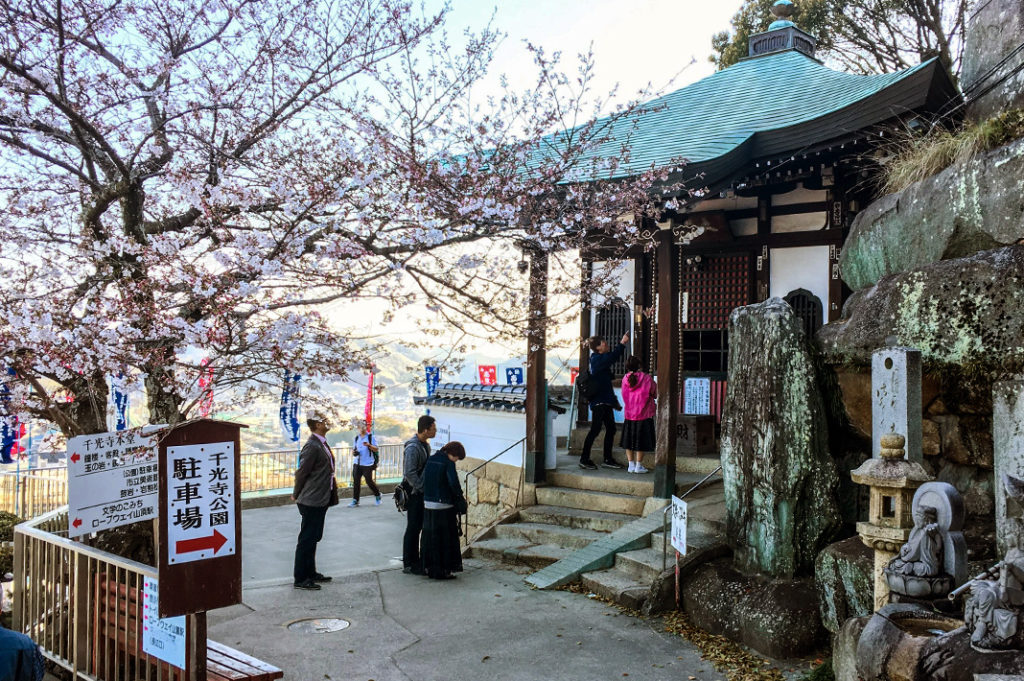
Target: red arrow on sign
214, 541
77, 523
75, 457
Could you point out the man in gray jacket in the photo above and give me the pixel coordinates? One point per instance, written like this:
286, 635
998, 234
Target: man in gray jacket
417, 451
315, 490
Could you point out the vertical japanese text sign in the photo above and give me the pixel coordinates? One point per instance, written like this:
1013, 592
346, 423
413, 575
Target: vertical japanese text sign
679, 518
200, 518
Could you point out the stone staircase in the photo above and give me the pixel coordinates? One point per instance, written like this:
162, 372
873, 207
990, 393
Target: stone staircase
585, 520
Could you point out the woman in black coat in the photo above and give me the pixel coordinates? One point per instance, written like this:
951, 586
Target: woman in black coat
443, 501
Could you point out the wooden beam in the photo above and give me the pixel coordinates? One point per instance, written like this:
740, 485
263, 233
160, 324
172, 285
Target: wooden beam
668, 367
536, 360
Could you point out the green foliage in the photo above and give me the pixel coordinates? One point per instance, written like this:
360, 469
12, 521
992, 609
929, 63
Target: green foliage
754, 16
6, 559
919, 157
823, 672
7, 523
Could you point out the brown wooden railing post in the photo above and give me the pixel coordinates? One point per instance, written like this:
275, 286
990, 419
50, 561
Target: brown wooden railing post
80, 603
17, 609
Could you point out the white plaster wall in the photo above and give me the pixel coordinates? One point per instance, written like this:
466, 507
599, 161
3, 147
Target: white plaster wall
625, 272
483, 433
805, 267
800, 222
799, 195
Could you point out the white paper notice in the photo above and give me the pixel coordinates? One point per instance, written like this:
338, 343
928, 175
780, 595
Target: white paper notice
698, 396
112, 480
679, 525
163, 638
200, 502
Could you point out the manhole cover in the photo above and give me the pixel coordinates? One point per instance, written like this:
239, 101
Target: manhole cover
318, 625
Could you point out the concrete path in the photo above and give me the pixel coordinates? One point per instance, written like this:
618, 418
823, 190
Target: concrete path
487, 624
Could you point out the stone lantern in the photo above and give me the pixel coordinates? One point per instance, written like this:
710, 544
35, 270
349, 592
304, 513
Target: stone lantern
893, 481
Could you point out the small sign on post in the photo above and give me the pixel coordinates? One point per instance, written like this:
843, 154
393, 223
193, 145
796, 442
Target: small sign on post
679, 525
112, 480
163, 638
697, 395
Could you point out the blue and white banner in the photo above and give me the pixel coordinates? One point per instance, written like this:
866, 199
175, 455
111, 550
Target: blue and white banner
514, 375
290, 406
9, 426
119, 396
433, 378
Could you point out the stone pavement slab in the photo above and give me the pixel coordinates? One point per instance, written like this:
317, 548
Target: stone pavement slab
487, 624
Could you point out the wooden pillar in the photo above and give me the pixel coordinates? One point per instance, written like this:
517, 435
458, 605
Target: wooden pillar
763, 256
668, 367
587, 277
536, 359
837, 222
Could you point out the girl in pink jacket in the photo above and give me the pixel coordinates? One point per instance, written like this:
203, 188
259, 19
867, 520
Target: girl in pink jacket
639, 392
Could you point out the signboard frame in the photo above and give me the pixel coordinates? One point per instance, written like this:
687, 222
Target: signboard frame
200, 585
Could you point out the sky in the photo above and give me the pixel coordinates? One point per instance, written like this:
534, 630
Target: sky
661, 43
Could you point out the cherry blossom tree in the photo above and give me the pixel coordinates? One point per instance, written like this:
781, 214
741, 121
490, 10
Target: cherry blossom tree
191, 180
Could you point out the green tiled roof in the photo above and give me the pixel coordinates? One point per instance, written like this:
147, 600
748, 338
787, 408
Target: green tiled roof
768, 106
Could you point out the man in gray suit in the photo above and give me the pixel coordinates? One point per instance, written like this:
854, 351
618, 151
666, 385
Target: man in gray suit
315, 490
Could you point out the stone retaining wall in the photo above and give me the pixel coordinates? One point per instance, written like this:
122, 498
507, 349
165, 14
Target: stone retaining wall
493, 491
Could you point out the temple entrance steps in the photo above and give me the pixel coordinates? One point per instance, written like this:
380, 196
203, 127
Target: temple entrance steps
590, 526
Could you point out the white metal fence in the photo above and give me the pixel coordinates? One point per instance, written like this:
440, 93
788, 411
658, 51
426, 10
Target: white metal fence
33, 492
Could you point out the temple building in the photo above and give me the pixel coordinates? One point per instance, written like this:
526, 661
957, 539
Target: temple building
779, 150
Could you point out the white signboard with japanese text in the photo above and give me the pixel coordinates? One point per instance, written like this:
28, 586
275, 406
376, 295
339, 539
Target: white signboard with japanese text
679, 525
698, 396
163, 638
200, 502
112, 480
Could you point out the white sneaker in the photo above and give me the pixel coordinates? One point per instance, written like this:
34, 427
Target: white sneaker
640, 469
632, 465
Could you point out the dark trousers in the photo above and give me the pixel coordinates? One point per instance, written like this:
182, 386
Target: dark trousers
601, 415
413, 527
360, 473
311, 532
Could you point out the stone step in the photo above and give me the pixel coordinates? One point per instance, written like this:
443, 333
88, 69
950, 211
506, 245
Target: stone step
605, 480
598, 521
698, 536
617, 586
543, 533
515, 551
643, 565
590, 500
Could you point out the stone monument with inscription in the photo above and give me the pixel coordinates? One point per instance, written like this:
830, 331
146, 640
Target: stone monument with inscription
896, 398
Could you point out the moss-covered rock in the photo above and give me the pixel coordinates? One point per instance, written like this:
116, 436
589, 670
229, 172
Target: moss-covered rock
967, 208
780, 481
966, 312
843, 575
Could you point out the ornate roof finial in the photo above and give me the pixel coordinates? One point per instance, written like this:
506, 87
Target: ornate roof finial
782, 10
782, 34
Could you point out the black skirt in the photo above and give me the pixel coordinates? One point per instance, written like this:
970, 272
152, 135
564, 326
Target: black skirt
440, 550
638, 436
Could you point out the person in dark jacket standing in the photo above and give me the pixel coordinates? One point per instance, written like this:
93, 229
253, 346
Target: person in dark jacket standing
315, 490
603, 404
443, 501
417, 451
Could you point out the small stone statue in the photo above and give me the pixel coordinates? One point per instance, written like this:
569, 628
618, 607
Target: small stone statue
921, 556
934, 559
994, 610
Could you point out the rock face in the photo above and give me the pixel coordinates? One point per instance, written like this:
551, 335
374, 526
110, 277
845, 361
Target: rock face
964, 209
779, 478
993, 31
777, 618
843, 575
955, 311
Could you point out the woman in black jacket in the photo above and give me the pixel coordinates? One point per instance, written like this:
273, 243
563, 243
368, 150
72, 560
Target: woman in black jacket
443, 501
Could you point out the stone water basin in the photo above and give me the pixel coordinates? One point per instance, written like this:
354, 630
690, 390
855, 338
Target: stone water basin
890, 646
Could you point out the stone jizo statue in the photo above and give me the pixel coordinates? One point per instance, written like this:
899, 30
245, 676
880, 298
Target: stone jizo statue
921, 556
934, 559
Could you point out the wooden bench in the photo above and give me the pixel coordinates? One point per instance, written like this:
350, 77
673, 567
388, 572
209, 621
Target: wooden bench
116, 644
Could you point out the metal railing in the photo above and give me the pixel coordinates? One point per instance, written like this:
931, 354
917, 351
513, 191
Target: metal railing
83, 606
33, 492
664, 517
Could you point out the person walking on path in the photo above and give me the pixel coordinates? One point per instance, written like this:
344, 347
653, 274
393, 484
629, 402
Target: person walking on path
639, 392
604, 402
365, 464
443, 502
417, 451
315, 491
